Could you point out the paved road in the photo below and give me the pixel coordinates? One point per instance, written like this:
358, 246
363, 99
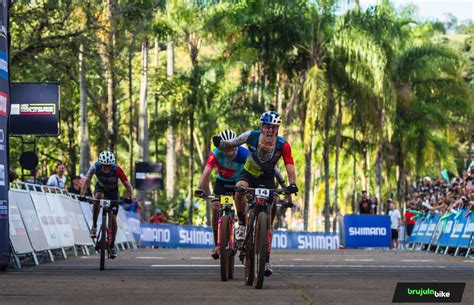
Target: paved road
166, 276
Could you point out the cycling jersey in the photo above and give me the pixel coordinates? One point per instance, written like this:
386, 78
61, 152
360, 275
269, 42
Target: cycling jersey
254, 164
107, 181
227, 170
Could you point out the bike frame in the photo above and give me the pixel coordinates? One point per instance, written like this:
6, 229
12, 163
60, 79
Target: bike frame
228, 211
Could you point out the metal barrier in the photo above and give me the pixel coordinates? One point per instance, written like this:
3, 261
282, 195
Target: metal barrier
452, 232
44, 219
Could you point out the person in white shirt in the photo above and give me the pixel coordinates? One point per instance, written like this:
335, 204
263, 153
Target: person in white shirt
59, 179
395, 223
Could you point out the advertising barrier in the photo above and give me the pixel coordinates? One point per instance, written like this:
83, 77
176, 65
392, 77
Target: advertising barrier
4, 109
18, 236
175, 236
60, 218
133, 224
47, 220
30, 220
367, 231
77, 220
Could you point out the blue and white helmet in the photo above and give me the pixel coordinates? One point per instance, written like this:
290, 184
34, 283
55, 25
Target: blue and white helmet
106, 157
270, 117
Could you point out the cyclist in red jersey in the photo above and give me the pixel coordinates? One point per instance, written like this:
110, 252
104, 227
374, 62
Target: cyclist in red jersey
108, 173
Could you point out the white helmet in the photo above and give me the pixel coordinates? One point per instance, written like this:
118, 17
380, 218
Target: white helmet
227, 135
106, 157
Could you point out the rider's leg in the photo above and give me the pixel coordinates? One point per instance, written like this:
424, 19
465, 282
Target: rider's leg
96, 208
241, 202
113, 227
215, 218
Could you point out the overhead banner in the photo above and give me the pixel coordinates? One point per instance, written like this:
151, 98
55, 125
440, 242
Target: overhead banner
34, 109
174, 236
4, 108
367, 231
149, 176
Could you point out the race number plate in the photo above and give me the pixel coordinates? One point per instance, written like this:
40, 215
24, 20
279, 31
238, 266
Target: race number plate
226, 199
262, 193
105, 203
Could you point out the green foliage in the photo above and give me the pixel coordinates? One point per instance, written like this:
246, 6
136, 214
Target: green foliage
405, 86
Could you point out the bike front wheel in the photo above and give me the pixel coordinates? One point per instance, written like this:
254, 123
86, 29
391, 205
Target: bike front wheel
260, 249
249, 259
224, 237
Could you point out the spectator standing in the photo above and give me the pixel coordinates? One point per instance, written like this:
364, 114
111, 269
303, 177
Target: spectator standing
364, 204
76, 185
395, 223
59, 179
409, 221
158, 217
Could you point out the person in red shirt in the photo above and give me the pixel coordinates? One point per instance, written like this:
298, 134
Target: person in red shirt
410, 223
158, 217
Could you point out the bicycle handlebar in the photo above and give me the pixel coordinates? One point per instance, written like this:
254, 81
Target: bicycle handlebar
252, 190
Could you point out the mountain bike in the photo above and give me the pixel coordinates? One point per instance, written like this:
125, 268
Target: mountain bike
226, 236
103, 241
257, 243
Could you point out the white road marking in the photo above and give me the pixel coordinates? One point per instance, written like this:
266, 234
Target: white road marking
197, 257
310, 266
191, 266
149, 257
417, 260
359, 260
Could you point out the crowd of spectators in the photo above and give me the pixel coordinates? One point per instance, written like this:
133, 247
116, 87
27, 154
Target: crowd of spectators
436, 195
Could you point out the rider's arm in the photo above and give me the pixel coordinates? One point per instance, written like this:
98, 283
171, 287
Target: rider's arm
206, 173
279, 177
85, 186
124, 180
289, 164
87, 180
204, 180
235, 142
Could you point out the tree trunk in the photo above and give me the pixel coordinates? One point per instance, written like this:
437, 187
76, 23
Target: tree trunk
327, 203
469, 151
336, 163
378, 166
108, 59
71, 145
191, 167
143, 112
84, 162
171, 133
355, 208
155, 68
308, 156
131, 106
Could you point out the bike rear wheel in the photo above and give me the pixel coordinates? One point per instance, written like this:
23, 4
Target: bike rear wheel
249, 259
224, 247
260, 249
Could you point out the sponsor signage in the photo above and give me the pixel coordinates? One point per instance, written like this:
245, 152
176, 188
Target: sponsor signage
164, 235
429, 292
34, 109
149, 176
367, 231
4, 101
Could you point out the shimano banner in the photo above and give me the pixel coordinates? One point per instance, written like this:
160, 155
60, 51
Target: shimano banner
367, 231
4, 102
174, 236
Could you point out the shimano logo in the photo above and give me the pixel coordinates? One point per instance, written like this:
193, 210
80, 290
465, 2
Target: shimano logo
367, 231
